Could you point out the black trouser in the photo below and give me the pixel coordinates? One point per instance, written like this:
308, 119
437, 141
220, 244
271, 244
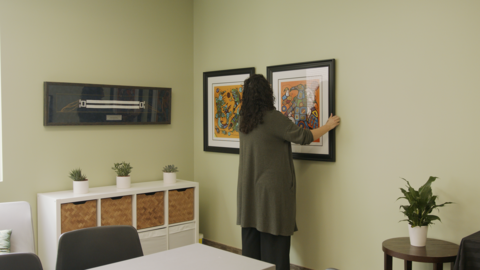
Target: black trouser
266, 247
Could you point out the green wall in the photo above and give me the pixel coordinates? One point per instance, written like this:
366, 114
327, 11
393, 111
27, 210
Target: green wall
407, 92
121, 42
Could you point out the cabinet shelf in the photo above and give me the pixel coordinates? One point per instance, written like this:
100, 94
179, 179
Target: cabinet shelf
166, 216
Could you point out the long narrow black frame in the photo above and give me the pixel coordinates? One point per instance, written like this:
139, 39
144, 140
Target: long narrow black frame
206, 76
98, 104
331, 156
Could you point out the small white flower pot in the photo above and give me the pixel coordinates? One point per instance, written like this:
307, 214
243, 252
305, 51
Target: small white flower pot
80, 187
418, 235
169, 178
123, 182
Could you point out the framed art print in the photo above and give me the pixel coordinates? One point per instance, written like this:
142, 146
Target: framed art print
222, 95
99, 104
305, 93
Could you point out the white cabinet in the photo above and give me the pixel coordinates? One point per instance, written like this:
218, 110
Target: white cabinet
166, 216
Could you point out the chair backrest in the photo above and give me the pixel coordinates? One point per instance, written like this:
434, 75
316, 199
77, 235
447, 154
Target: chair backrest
20, 261
18, 217
91, 247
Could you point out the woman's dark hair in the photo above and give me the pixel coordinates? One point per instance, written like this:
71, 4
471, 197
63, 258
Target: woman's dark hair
257, 98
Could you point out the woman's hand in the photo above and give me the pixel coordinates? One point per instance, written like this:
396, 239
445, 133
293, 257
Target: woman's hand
333, 121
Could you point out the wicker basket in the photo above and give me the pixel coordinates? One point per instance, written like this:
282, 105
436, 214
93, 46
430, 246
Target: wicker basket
150, 210
180, 205
78, 215
117, 211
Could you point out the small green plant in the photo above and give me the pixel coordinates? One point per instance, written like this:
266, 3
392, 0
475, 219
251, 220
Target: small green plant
122, 169
170, 169
76, 175
422, 203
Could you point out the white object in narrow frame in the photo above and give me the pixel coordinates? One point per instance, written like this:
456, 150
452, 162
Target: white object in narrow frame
111, 104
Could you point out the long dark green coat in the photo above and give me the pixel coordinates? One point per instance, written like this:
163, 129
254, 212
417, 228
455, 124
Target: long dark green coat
266, 176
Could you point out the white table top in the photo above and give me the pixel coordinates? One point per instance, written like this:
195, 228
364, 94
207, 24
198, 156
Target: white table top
196, 256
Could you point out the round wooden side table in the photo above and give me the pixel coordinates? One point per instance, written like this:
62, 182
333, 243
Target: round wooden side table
435, 251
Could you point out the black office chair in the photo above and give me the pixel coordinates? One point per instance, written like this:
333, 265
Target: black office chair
20, 261
97, 246
468, 253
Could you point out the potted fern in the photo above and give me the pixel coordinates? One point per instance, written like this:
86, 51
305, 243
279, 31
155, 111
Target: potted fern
80, 181
170, 174
418, 212
123, 171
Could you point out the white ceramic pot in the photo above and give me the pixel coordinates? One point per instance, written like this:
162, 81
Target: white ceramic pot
80, 187
123, 182
418, 235
169, 178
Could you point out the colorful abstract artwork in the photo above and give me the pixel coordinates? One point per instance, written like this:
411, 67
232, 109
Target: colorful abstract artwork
305, 93
227, 110
300, 101
222, 96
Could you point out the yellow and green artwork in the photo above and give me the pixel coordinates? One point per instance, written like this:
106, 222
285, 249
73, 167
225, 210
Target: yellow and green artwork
227, 110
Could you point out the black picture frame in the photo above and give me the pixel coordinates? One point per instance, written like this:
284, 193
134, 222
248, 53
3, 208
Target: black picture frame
220, 130
67, 104
291, 79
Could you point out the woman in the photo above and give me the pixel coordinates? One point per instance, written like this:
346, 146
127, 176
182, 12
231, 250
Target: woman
266, 176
